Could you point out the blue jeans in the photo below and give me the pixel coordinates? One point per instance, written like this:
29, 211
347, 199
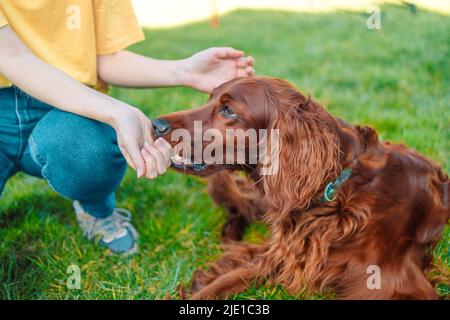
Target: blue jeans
78, 157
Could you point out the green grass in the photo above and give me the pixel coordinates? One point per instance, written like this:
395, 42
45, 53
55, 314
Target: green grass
396, 79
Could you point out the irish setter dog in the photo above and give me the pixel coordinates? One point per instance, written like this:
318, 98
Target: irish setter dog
382, 216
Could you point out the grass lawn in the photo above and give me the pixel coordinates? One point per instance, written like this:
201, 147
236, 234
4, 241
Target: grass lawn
396, 79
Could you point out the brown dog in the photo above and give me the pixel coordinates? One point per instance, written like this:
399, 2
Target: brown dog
343, 208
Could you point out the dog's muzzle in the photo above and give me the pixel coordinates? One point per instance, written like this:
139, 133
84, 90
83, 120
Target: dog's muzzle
160, 127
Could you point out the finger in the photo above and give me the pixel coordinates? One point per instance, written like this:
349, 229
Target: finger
127, 157
136, 157
149, 132
241, 62
244, 62
165, 148
159, 159
250, 71
151, 170
228, 53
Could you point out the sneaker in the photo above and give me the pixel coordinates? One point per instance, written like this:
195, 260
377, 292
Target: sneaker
114, 232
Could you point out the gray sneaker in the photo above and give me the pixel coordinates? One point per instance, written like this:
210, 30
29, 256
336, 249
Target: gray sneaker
114, 232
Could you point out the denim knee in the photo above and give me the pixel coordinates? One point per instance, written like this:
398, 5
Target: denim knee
79, 157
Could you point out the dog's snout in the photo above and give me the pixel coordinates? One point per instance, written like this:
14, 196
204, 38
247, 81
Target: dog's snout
160, 127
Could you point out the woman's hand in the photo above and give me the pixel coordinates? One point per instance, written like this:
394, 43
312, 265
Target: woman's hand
208, 69
134, 137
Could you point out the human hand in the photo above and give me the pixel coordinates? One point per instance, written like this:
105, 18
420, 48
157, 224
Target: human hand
209, 68
134, 137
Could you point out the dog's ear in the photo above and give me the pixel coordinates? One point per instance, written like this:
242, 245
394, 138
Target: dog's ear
308, 155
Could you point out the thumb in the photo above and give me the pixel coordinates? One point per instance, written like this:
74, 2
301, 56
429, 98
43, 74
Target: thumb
228, 53
149, 132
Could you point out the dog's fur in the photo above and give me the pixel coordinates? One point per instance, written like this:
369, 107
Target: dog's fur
390, 212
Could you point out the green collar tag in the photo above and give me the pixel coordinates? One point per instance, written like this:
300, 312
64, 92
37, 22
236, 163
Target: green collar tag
330, 192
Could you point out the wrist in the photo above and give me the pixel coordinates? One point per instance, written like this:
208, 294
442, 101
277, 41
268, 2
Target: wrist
182, 74
117, 112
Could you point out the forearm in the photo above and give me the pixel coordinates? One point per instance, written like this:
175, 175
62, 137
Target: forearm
51, 85
128, 69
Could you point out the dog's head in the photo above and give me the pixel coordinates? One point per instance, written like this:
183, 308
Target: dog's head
255, 123
221, 133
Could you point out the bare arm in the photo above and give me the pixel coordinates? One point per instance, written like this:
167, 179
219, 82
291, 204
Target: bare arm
203, 71
128, 69
52, 86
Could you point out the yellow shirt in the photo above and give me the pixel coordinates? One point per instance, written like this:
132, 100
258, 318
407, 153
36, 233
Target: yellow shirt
70, 34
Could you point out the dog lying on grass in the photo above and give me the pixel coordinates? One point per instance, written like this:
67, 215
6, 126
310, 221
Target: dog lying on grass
347, 213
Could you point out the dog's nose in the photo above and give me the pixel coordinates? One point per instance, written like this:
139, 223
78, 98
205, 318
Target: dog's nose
160, 127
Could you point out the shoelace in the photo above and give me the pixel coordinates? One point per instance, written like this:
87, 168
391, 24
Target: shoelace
124, 214
110, 225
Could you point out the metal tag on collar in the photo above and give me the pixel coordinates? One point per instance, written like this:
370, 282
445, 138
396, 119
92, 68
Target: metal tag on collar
330, 192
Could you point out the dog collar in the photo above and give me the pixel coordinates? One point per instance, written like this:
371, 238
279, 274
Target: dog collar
330, 192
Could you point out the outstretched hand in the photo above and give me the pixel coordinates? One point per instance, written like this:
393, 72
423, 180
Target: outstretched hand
208, 69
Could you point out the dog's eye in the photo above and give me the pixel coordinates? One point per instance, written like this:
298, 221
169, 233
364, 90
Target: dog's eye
228, 113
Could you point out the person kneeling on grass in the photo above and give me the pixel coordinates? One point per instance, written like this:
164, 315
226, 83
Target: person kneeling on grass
56, 59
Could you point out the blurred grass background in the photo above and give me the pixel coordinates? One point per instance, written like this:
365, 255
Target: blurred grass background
396, 80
